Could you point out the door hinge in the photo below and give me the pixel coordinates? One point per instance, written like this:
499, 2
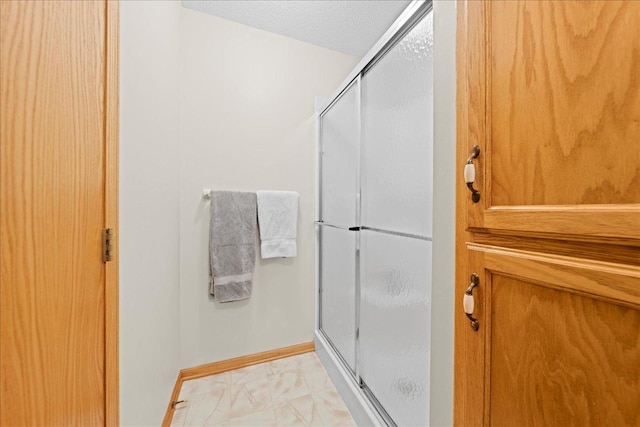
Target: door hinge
107, 244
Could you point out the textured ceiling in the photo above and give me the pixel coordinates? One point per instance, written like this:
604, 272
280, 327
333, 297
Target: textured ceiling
348, 26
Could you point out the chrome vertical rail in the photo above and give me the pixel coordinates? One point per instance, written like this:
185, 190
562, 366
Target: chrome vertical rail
358, 222
318, 213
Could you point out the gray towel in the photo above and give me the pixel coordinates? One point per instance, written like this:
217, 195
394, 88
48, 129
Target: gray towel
232, 253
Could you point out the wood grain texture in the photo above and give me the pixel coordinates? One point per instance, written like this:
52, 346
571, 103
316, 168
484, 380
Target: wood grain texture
175, 393
230, 365
241, 362
621, 222
52, 211
559, 359
619, 254
470, 130
112, 130
473, 31
552, 96
616, 283
462, 235
565, 102
475, 414
550, 91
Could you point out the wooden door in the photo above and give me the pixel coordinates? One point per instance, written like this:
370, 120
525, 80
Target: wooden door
550, 93
58, 132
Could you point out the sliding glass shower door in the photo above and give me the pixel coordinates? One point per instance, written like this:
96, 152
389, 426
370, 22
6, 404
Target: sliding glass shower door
376, 224
339, 192
397, 159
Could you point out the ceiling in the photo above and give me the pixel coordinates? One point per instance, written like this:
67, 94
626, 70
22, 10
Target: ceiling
348, 26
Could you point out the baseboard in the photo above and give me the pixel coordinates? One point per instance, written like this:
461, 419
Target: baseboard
168, 416
229, 365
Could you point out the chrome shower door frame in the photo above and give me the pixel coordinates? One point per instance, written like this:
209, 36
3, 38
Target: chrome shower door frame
416, 10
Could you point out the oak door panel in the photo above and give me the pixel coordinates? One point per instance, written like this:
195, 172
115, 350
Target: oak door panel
553, 92
564, 87
618, 283
550, 92
470, 352
561, 359
558, 343
52, 210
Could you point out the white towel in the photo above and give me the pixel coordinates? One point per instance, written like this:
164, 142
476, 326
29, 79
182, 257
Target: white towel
278, 221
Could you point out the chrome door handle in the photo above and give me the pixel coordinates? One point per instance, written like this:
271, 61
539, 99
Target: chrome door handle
469, 303
470, 174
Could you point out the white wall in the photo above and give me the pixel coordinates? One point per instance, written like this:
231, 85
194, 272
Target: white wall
149, 240
444, 103
247, 107
246, 121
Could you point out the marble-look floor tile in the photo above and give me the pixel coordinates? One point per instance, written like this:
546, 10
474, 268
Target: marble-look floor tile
294, 362
332, 408
249, 373
204, 385
298, 412
265, 418
281, 365
295, 391
249, 397
179, 415
316, 380
209, 409
310, 360
287, 385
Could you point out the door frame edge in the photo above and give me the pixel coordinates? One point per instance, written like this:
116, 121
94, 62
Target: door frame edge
111, 99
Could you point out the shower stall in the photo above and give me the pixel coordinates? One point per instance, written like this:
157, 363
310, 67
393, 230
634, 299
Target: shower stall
374, 224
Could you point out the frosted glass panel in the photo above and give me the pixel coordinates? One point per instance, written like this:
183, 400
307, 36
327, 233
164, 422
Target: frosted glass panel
337, 282
397, 114
394, 324
340, 160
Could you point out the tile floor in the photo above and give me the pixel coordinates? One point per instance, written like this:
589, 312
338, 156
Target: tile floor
294, 391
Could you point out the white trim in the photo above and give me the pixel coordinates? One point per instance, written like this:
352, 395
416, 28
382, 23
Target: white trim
361, 409
444, 203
